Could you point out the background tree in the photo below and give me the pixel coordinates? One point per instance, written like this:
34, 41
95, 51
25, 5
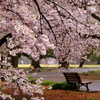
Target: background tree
49, 53
93, 57
78, 44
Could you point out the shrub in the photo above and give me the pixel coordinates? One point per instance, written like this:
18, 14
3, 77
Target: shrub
63, 86
32, 79
56, 86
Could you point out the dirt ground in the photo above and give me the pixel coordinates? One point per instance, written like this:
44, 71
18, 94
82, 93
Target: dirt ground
70, 95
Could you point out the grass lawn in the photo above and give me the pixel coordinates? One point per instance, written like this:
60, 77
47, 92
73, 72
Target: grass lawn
55, 65
46, 68
94, 72
86, 66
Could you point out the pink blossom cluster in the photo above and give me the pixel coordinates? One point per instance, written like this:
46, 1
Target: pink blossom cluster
20, 19
37, 25
61, 21
16, 79
5, 96
71, 22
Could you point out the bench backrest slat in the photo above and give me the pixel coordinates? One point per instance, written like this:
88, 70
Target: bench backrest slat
72, 77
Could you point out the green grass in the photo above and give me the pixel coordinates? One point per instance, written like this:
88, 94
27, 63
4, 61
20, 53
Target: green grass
85, 66
56, 65
55, 85
92, 98
47, 83
71, 65
1, 88
32, 79
97, 72
24, 65
94, 72
46, 68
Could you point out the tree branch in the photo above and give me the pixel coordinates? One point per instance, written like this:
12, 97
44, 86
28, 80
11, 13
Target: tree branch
88, 36
96, 17
3, 40
22, 19
44, 18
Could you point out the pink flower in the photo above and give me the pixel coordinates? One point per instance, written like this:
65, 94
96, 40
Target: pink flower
35, 55
38, 81
24, 99
4, 3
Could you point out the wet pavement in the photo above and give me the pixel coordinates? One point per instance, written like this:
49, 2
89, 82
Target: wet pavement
59, 77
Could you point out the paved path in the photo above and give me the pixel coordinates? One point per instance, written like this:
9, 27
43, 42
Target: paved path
59, 77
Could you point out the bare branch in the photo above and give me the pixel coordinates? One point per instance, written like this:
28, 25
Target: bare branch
96, 17
44, 18
3, 40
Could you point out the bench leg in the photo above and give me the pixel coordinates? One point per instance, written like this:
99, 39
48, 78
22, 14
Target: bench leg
79, 85
87, 87
76, 86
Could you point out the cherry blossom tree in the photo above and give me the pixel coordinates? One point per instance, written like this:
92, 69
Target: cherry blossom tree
18, 19
25, 38
65, 22
79, 29
37, 25
93, 8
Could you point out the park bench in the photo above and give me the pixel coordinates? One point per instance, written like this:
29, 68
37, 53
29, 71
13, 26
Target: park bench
75, 79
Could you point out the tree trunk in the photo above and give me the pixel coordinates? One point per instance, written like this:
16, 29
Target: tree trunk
14, 61
65, 65
98, 60
1, 61
81, 63
83, 60
36, 64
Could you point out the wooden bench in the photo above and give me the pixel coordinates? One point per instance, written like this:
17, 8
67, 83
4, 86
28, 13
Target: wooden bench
75, 79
